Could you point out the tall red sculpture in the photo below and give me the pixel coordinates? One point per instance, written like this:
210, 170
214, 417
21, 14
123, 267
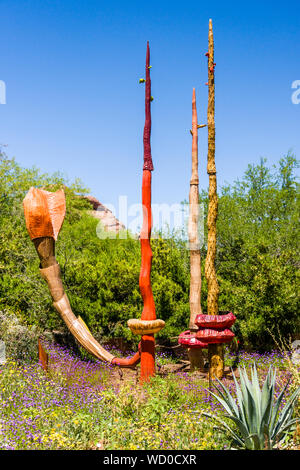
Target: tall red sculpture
148, 324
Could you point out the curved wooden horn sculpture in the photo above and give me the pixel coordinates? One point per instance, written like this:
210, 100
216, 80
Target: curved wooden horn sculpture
44, 214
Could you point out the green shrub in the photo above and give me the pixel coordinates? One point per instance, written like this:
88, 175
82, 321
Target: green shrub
20, 341
259, 422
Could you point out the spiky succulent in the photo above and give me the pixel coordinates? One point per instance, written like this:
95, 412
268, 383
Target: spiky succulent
259, 421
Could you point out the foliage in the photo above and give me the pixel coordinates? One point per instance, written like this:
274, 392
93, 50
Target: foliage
79, 405
84, 405
22, 292
260, 423
101, 276
20, 341
257, 260
258, 252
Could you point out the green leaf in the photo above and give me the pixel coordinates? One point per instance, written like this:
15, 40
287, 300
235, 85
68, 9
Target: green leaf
222, 401
253, 442
240, 400
276, 407
226, 427
227, 397
285, 413
242, 428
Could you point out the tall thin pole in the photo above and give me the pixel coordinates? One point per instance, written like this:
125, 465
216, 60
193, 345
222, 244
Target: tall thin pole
195, 354
148, 313
215, 351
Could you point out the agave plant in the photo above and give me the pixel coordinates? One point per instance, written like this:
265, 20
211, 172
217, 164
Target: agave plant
257, 415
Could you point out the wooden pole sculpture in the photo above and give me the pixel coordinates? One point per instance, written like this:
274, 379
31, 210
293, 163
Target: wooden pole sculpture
148, 324
195, 354
215, 351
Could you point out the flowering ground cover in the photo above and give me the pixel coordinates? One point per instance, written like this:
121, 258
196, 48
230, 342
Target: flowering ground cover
87, 405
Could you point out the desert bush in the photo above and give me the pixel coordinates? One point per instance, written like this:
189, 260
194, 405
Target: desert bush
258, 251
21, 342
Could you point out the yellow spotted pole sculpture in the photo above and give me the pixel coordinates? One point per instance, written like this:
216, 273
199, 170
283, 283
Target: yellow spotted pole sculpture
215, 351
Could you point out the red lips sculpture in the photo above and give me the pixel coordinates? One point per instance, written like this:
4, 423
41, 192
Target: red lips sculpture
189, 340
213, 329
219, 322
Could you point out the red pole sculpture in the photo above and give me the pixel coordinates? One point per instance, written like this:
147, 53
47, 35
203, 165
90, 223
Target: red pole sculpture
148, 341
148, 325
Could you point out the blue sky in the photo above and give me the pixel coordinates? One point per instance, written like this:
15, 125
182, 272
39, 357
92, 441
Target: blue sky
74, 104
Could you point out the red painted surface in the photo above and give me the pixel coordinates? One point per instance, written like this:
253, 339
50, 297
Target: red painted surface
146, 353
218, 322
130, 362
189, 340
148, 165
213, 329
43, 356
210, 335
148, 313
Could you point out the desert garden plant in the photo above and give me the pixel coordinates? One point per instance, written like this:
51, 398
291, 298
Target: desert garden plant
260, 420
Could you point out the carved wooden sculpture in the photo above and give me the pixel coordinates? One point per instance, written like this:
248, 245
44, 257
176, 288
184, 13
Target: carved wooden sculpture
195, 353
44, 214
215, 351
148, 324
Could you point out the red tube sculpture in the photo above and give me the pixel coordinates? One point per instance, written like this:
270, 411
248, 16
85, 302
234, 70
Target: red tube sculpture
148, 324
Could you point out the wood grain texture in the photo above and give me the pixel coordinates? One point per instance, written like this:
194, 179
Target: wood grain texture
194, 244
195, 354
148, 164
44, 214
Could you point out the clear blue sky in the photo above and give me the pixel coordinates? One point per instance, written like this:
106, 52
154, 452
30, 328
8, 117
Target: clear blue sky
74, 104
